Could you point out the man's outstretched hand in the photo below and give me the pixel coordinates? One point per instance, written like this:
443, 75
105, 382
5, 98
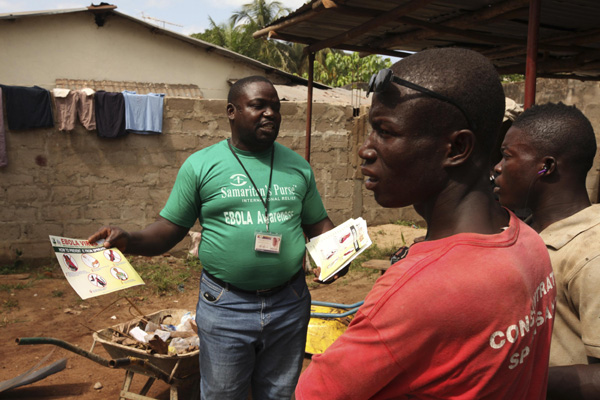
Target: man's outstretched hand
113, 237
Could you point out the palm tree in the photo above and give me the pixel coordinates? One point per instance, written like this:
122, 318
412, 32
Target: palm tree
333, 67
229, 36
259, 13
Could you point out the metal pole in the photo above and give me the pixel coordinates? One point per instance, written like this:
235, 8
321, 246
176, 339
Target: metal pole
309, 101
532, 48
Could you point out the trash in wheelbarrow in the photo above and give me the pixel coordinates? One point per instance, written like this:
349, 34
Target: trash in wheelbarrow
168, 333
179, 350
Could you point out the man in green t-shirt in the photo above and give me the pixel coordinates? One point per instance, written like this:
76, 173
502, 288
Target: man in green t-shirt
255, 200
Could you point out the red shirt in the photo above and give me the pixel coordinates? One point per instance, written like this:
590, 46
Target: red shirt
465, 317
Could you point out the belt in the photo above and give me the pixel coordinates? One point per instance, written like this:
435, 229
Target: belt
259, 292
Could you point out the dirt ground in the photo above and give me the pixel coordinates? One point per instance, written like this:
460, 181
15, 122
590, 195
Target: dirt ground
49, 307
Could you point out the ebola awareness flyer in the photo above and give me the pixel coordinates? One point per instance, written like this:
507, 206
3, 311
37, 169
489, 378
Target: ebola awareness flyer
93, 270
335, 249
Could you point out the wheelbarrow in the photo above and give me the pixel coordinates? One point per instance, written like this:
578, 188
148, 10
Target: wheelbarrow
327, 322
175, 370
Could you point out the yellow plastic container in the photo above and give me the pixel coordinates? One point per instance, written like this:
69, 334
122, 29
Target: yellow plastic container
322, 332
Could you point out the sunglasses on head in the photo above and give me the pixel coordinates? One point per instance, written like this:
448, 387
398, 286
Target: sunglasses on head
380, 81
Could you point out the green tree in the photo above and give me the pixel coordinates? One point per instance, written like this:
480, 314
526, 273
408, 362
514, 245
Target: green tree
341, 69
229, 36
259, 13
256, 15
332, 67
298, 59
237, 34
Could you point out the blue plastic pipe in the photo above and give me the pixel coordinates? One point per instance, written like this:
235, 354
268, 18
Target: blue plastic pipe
352, 309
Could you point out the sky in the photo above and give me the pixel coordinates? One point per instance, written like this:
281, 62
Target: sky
192, 15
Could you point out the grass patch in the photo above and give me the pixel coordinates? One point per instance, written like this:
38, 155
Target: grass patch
164, 277
5, 321
311, 284
49, 270
57, 293
374, 252
10, 305
39, 269
194, 263
403, 222
513, 78
9, 287
15, 267
36, 272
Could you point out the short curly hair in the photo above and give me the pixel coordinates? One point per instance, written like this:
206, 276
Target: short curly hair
466, 77
236, 89
559, 130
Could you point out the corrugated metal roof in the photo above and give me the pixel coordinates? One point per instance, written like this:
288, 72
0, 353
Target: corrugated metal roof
569, 35
171, 90
15, 15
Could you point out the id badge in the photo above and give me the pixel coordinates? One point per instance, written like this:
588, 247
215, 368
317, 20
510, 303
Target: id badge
267, 242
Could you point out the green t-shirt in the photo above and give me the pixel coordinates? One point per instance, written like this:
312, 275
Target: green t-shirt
213, 188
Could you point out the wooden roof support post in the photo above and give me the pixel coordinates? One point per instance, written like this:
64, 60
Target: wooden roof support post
309, 101
532, 48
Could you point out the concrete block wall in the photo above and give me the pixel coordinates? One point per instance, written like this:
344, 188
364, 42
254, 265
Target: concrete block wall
71, 183
584, 95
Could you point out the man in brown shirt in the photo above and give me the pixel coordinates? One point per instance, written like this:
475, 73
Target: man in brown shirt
547, 154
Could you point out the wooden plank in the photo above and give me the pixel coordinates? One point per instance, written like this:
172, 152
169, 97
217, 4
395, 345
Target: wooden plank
369, 50
12, 277
582, 61
288, 22
381, 265
384, 17
469, 19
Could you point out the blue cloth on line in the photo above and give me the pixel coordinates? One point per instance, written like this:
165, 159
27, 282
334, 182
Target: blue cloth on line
143, 112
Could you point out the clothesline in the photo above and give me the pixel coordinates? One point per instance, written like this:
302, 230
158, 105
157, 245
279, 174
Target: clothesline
111, 114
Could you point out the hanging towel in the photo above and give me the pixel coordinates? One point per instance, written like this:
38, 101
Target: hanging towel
60, 92
64, 101
85, 108
71, 104
110, 114
143, 112
28, 107
3, 156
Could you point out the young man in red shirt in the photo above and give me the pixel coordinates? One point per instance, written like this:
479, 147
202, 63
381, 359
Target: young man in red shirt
468, 312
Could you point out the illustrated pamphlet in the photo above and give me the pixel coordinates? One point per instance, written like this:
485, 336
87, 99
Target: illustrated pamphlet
333, 250
93, 270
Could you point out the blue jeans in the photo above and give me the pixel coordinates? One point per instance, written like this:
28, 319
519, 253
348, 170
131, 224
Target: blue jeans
249, 340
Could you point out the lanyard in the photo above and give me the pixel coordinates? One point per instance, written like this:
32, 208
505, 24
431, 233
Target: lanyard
265, 203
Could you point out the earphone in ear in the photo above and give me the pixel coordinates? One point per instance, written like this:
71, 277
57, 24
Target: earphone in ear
543, 171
